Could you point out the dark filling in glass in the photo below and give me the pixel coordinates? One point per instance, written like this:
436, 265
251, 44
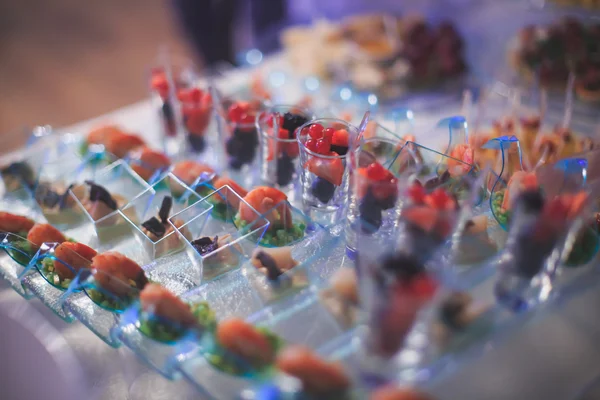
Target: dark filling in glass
98, 193
206, 245
273, 272
159, 227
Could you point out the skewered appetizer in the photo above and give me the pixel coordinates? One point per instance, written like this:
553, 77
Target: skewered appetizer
273, 205
118, 281
166, 318
242, 349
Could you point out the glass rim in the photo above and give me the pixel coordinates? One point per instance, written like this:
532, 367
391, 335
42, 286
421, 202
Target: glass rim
302, 145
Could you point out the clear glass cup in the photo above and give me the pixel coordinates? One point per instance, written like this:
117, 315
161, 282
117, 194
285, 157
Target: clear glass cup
147, 205
166, 78
216, 242
236, 121
279, 152
124, 185
324, 177
374, 206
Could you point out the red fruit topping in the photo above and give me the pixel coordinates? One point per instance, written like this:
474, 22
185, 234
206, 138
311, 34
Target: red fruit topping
329, 134
341, 138
416, 192
316, 131
291, 149
246, 119
311, 144
323, 146
331, 170
440, 199
271, 120
423, 286
377, 172
159, 83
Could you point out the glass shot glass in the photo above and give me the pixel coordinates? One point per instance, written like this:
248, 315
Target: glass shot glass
166, 78
374, 197
148, 215
56, 267
236, 121
279, 152
122, 185
215, 240
324, 170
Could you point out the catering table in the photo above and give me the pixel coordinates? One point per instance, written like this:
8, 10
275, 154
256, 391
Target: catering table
550, 356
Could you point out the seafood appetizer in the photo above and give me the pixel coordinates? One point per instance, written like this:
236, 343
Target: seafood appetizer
113, 139
273, 262
242, 349
67, 259
166, 318
225, 201
118, 281
273, 205
16, 224
191, 173
318, 377
17, 247
149, 163
341, 298
276, 274
44, 233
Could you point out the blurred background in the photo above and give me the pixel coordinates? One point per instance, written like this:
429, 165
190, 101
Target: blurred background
63, 61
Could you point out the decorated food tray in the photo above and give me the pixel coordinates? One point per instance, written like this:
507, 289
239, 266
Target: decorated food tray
279, 241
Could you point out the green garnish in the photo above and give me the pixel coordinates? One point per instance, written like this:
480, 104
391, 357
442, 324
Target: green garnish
278, 236
110, 303
52, 277
502, 215
21, 252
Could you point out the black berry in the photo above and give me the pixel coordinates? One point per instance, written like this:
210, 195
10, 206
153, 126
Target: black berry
285, 170
370, 214
403, 266
341, 150
197, 142
291, 122
322, 189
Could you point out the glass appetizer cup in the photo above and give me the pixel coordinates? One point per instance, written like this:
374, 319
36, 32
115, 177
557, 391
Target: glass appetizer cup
541, 235
20, 177
161, 330
236, 121
166, 79
279, 152
218, 242
324, 171
18, 253
148, 215
99, 201
56, 265
373, 205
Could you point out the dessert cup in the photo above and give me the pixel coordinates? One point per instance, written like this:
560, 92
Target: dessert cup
279, 152
324, 178
217, 243
147, 205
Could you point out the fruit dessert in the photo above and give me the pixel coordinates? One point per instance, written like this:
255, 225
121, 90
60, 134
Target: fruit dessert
474, 243
159, 228
503, 199
242, 349
377, 192
166, 318
191, 173
196, 108
403, 288
325, 164
273, 205
159, 84
118, 281
319, 377
279, 144
553, 51
149, 163
539, 225
240, 132
112, 139
427, 220
341, 298
219, 254
391, 392
68, 258
18, 175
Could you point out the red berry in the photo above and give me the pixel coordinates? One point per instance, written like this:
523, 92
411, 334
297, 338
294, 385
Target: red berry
311, 144
316, 131
323, 146
423, 286
272, 120
438, 199
235, 112
416, 192
340, 138
196, 95
377, 172
246, 119
328, 134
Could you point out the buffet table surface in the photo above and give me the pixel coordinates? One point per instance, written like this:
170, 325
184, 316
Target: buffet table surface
550, 356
